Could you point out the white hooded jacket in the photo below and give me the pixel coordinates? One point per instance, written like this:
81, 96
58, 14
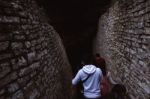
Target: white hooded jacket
92, 84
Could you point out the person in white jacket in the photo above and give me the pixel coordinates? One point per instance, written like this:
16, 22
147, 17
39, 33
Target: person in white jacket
92, 84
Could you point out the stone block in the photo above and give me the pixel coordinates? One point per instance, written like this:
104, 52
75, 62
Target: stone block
34, 95
5, 56
22, 61
38, 47
17, 45
35, 65
31, 57
23, 81
18, 62
19, 37
4, 69
34, 35
25, 27
145, 87
33, 42
28, 44
18, 95
12, 76
4, 45
12, 87
10, 19
25, 71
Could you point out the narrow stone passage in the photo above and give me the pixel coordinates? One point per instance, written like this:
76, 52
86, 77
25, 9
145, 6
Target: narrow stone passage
42, 44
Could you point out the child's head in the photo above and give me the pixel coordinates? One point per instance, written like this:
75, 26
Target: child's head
119, 90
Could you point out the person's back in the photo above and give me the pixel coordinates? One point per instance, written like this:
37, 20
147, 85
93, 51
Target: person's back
104, 86
100, 62
92, 84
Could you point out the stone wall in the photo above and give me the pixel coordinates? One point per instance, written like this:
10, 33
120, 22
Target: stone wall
33, 63
123, 39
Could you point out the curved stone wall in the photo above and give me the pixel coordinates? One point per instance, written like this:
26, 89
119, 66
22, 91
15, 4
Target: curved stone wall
33, 62
123, 39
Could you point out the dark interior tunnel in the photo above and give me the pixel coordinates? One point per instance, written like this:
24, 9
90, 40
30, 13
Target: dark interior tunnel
76, 22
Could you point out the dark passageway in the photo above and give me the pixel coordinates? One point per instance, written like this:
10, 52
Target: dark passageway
76, 22
35, 36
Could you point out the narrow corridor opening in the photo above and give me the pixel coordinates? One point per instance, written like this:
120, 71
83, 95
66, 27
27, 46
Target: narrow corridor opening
76, 22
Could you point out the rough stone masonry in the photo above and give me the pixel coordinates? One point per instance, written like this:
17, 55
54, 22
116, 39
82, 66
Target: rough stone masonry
33, 63
123, 39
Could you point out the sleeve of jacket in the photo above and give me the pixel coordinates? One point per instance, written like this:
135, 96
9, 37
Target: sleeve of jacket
77, 78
